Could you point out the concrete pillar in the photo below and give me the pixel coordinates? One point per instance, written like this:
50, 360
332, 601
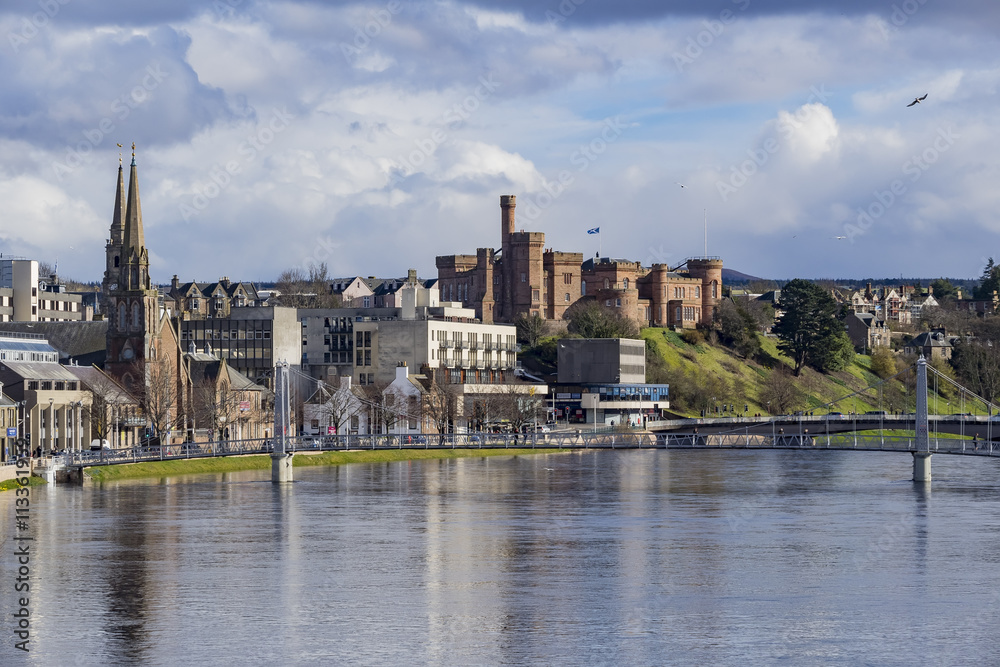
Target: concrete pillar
921, 467
281, 467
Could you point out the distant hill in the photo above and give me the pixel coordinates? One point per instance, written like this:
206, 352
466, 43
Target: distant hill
734, 277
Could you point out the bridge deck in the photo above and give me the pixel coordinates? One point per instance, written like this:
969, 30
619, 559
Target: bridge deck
636, 440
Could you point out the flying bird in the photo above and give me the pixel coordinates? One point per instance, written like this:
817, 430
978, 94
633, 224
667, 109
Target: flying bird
839, 237
917, 100
680, 184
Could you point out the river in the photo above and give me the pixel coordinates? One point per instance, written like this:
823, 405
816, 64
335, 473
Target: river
612, 557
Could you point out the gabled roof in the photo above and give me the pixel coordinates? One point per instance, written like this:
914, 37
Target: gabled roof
71, 339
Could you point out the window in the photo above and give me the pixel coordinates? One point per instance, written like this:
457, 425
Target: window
367, 302
697, 292
368, 357
360, 360
567, 279
618, 303
368, 339
583, 288
60, 386
524, 277
715, 290
566, 297
534, 295
625, 283
607, 283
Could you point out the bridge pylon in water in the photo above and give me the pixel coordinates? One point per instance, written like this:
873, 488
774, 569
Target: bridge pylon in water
281, 457
922, 453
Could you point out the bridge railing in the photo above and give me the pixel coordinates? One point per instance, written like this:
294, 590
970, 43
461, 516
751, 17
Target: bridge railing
632, 440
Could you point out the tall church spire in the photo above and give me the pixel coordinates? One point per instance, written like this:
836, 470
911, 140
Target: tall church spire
117, 224
133, 240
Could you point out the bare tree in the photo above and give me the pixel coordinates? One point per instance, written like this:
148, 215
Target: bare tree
384, 410
339, 407
518, 407
779, 392
443, 406
215, 406
157, 395
308, 288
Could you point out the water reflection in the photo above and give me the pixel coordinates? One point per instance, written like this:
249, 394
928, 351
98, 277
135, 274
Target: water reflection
638, 557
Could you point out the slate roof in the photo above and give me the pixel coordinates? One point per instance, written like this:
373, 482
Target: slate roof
77, 340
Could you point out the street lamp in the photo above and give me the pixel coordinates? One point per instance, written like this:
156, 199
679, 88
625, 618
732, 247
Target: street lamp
50, 427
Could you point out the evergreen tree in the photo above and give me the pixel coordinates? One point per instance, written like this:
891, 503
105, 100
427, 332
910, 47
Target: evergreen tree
989, 282
808, 330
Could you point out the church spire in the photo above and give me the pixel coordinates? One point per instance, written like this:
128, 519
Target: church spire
117, 225
133, 241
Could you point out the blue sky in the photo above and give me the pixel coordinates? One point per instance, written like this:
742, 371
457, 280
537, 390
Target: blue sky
374, 136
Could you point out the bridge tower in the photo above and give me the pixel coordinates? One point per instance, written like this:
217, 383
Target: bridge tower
922, 453
281, 458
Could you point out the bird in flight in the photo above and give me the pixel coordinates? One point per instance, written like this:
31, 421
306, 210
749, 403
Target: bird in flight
917, 100
839, 237
680, 184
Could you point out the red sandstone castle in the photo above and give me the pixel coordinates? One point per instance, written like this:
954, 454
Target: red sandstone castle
524, 277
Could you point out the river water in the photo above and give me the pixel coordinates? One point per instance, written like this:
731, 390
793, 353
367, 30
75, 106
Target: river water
616, 557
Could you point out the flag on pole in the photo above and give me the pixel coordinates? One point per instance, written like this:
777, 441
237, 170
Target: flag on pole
595, 230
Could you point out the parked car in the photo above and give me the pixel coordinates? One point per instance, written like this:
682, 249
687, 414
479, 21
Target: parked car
97, 445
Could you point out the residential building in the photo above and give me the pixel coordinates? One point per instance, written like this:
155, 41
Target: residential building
194, 301
866, 331
934, 344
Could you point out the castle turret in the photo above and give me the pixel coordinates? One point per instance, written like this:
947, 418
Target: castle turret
709, 271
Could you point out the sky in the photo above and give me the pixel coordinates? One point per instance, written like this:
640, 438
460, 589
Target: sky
373, 137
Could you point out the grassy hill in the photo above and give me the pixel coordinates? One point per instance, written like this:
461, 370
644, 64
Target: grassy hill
699, 371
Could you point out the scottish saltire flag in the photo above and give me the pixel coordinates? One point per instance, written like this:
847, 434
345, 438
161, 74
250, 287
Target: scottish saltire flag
595, 230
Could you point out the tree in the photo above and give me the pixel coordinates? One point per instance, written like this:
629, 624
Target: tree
977, 362
157, 395
779, 392
517, 407
808, 330
529, 328
443, 406
305, 289
738, 328
385, 411
989, 282
589, 319
883, 362
215, 406
943, 289
339, 407
105, 395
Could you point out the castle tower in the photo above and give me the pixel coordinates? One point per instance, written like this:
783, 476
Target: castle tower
709, 270
132, 301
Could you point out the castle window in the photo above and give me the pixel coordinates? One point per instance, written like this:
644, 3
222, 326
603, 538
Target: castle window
121, 316
135, 316
534, 295
583, 288
116, 261
524, 277
567, 278
566, 297
697, 292
625, 283
607, 283
715, 290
